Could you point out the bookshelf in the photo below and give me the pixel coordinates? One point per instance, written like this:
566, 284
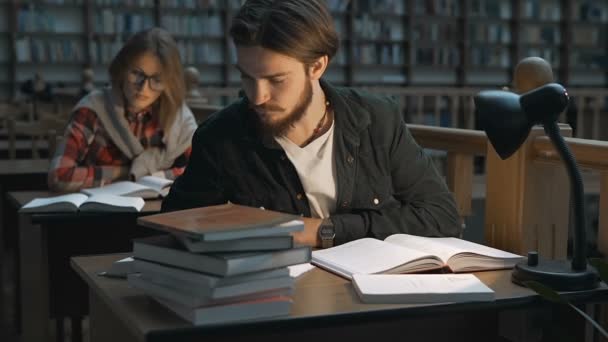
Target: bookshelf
383, 42
589, 43
489, 42
5, 50
47, 37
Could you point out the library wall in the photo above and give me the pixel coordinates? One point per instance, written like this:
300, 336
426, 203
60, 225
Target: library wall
383, 42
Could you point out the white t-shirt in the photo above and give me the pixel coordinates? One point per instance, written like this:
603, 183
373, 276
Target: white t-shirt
316, 168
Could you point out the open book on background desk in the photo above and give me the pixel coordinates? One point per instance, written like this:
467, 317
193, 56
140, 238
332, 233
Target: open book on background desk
81, 202
146, 187
404, 253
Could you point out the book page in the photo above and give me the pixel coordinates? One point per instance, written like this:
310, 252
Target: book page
445, 248
154, 182
74, 199
107, 202
124, 188
366, 256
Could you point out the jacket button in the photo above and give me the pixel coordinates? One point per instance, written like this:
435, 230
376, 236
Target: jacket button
376, 201
283, 157
350, 159
299, 196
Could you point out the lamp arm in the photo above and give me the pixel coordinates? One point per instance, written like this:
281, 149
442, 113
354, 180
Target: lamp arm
579, 262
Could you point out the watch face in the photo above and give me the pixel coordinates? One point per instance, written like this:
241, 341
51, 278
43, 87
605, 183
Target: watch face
326, 232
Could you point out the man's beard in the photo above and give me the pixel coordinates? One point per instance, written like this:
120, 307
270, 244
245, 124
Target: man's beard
280, 127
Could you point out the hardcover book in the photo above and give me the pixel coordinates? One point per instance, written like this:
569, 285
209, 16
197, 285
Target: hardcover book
224, 222
165, 249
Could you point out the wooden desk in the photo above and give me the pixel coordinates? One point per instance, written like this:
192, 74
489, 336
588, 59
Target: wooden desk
325, 307
20, 174
49, 288
16, 174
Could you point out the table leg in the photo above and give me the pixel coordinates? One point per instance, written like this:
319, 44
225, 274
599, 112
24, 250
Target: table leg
3, 318
34, 281
103, 323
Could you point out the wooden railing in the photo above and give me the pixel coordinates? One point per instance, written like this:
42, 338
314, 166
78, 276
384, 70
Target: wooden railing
591, 156
521, 213
527, 195
461, 146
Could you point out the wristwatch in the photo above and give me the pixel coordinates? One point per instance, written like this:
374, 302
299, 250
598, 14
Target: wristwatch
327, 233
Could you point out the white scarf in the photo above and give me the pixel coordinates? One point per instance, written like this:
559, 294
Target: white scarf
110, 111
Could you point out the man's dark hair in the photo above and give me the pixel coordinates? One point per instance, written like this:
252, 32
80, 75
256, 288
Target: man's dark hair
301, 29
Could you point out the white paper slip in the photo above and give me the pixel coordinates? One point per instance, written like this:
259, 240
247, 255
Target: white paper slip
299, 269
420, 288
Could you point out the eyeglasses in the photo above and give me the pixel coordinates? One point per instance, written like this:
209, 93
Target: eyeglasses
138, 78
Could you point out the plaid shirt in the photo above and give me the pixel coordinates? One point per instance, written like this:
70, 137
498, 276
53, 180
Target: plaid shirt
87, 157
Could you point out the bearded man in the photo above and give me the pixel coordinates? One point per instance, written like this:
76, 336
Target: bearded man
341, 158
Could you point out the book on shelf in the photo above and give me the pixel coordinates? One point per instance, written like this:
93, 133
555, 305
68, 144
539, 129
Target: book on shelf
224, 222
208, 287
262, 243
145, 187
404, 253
256, 308
420, 288
83, 203
165, 249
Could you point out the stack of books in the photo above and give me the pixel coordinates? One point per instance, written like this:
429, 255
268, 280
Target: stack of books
219, 264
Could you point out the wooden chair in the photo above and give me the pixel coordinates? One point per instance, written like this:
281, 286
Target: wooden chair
40, 133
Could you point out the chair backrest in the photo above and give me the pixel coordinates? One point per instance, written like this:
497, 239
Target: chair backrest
41, 133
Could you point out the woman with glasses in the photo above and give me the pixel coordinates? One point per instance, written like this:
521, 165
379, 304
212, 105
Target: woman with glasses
138, 126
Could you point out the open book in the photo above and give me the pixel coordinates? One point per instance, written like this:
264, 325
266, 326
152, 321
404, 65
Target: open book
83, 203
145, 187
404, 253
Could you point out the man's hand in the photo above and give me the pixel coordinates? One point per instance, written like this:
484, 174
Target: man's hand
310, 235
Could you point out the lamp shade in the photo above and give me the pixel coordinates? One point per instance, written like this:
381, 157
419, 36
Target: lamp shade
508, 118
501, 117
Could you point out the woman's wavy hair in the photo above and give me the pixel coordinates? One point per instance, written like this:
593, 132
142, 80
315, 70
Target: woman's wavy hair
161, 44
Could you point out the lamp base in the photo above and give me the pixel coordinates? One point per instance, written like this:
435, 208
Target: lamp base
555, 274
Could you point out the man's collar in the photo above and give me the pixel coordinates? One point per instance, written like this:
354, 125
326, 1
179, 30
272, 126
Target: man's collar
350, 117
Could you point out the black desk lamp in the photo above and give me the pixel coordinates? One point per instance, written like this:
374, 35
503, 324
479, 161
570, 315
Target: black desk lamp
507, 119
